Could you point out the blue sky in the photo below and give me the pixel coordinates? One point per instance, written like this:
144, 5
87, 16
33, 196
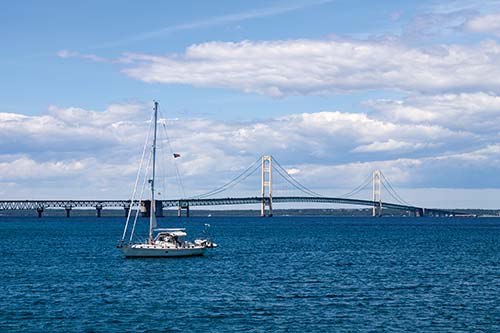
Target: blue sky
333, 89
36, 31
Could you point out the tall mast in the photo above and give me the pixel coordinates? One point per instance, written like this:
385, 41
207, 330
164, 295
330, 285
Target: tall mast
152, 216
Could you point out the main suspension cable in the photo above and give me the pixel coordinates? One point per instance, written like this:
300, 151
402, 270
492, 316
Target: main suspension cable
280, 172
294, 182
359, 188
244, 175
394, 193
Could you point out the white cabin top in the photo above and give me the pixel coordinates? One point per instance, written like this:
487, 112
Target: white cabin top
170, 229
175, 233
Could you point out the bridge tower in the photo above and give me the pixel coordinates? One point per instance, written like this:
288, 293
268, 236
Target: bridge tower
377, 193
267, 186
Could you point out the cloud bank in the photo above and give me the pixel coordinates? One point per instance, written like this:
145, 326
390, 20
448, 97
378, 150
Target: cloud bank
99, 150
489, 23
442, 132
309, 67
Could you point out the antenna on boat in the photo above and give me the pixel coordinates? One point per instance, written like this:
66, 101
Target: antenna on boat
152, 217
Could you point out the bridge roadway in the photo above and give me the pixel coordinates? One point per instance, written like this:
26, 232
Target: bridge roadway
41, 205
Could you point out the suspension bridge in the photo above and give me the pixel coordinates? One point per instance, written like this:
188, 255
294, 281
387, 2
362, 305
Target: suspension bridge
377, 181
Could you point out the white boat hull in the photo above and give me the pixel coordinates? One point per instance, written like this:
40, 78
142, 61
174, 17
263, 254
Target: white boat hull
152, 251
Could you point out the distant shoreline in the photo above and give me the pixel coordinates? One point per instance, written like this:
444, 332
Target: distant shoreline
363, 212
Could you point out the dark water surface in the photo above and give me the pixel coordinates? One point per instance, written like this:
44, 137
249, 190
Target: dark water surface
313, 274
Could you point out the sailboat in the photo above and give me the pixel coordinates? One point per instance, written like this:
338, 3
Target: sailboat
161, 242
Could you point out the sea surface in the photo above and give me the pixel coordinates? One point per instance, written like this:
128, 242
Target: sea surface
281, 274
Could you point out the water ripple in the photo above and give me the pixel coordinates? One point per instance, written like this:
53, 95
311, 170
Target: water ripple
298, 274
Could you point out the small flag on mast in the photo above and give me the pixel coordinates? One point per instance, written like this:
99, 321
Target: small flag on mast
177, 155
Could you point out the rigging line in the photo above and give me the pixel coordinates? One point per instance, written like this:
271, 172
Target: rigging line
178, 174
179, 178
164, 172
137, 208
161, 168
296, 181
218, 190
395, 192
359, 188
233, 184
137, 178
150, 158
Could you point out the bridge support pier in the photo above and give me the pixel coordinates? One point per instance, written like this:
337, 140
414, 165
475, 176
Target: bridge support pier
267, 186
126, 209
39, 210
377, 193
269, 203
159, 208
182, 206
377, 210
146, 208
98, 210
68, 210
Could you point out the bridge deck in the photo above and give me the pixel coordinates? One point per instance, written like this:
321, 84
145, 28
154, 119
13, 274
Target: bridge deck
68, 204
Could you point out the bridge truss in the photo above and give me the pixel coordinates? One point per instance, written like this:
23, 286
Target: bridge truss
41, 205
267, 164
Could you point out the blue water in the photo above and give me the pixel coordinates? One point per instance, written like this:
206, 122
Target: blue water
294, 274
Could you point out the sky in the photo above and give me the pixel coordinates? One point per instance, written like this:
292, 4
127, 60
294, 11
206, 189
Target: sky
332, 89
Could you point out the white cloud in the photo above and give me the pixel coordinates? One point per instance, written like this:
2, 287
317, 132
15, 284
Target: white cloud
457, 5
437, 24
80, 151
455, 170
24, 168
114, 114
390, 145
293, 171
474, 112
71, 130
66, 54
489, 23
348, 175
216, 21
311, 67
444, 133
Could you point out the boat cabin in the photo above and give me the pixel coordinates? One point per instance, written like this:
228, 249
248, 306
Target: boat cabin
170, 236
